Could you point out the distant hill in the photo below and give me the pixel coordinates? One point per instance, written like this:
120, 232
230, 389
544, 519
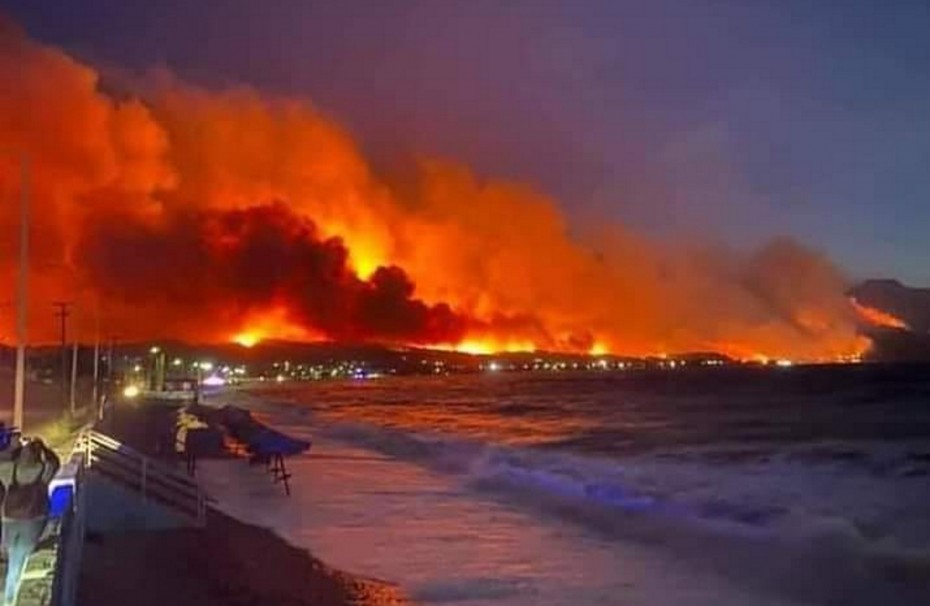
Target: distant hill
911, 305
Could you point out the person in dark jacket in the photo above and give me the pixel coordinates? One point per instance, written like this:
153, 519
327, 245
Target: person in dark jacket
10, 447
25, 509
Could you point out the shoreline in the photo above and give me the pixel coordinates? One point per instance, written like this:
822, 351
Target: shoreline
228, 562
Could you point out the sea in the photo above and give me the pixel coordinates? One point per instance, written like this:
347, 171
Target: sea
692, 486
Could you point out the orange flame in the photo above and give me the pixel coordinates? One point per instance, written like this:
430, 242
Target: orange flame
274, 324
509, 270
485, 346
248, 338
877, 317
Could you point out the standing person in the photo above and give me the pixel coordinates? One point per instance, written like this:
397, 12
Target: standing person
10, 446
25, 509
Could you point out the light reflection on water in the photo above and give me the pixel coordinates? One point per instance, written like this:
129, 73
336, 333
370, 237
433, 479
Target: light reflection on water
620, 414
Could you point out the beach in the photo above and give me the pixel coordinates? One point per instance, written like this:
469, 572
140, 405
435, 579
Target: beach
728, 488
545, 491
227, 562
443, 542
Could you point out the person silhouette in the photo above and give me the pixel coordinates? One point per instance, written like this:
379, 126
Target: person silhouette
10, 446
25, 509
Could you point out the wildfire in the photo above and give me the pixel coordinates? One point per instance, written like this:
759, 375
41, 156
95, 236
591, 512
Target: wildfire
248, 338
193, 198
487, 346
493, 345
877, 317
274, 323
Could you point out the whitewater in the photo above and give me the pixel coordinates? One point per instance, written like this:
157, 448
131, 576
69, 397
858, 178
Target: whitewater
596, 490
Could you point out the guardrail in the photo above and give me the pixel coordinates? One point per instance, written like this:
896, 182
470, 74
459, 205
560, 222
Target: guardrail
66, 521
150, 478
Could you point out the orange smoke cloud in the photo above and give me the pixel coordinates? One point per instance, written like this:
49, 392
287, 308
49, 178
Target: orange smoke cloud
213, 215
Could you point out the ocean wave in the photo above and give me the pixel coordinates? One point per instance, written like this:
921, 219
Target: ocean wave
766, 520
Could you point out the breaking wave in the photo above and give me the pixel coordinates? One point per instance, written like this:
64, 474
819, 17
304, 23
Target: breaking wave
825, 530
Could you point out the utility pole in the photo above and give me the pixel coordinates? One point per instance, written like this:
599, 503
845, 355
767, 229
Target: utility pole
108, 380
19, 389
62, 313
74, 367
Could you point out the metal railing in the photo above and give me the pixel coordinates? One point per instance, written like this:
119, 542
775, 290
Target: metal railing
152, 479
67, 495
124, 466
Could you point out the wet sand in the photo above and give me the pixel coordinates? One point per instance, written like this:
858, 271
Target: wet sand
227, 562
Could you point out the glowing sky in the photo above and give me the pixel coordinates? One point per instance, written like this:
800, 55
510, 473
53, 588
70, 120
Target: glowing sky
738, 119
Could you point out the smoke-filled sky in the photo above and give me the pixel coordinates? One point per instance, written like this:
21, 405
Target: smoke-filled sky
744, 118
629, 177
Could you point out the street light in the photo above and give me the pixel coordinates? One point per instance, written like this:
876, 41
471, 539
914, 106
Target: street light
158, 369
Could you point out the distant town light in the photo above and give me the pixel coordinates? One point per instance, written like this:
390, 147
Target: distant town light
131, 391
177, 362
784, 363
154, 350
206, 365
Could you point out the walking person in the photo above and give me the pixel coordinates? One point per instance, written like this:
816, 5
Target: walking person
25, 509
